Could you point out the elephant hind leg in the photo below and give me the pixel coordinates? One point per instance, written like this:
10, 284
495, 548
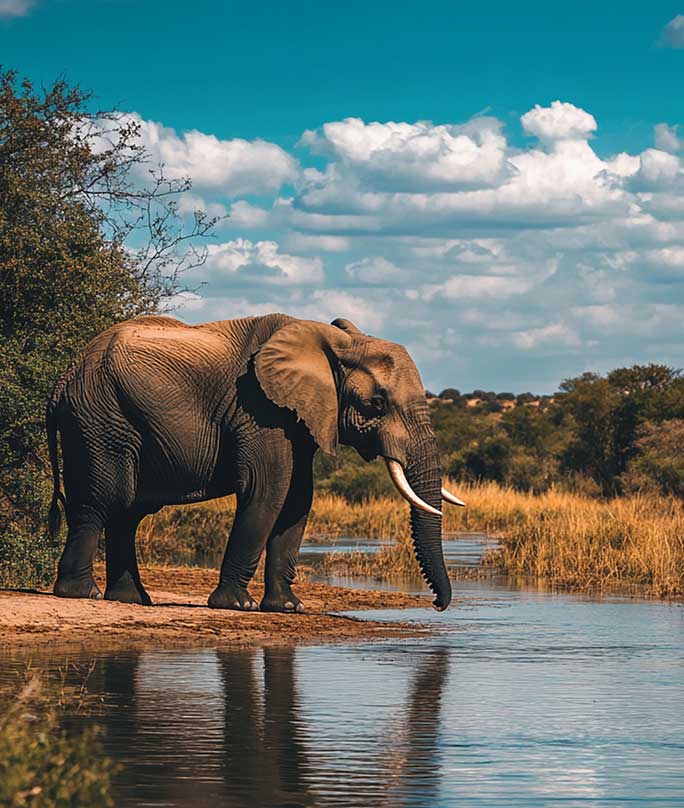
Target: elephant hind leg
123, 576
75, 569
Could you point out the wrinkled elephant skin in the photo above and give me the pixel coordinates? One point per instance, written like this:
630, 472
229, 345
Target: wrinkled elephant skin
154, 412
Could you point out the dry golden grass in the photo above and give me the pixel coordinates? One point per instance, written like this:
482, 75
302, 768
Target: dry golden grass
568, 539
588, 544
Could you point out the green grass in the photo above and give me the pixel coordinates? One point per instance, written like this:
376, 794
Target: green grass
41, 764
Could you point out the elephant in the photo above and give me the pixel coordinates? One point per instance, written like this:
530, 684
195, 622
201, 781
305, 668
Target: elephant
156, 412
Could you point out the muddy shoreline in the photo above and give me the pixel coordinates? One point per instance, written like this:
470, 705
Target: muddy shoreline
180, 617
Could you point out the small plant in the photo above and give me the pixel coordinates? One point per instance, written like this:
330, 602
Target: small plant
41, 764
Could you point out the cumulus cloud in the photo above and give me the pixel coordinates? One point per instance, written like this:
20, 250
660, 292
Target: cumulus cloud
657, 169
376, 270
564, 184
414, 157
496, 286
550, 337
672, 35
323, 305
307, 243
246, 216
666, 138
560, 121
15, 8
244, 262
188, 203
237, 167
498, 265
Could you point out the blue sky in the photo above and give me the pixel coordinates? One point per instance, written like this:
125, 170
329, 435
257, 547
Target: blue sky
530, 228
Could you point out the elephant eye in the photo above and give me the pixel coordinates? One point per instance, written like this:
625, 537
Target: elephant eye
378, 403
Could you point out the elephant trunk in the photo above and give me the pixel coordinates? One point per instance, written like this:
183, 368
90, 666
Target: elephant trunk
424, 475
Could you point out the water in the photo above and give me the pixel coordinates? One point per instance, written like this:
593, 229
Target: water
522, 698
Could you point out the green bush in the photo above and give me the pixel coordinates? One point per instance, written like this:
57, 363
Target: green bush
27, 559
40, 764
659, 465
356, 483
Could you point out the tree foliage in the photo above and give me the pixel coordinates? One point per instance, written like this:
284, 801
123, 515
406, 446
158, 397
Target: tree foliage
88, 236
597, 435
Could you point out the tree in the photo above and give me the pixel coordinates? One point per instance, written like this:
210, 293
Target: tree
529, 428
607, 414
83, 244
658, 464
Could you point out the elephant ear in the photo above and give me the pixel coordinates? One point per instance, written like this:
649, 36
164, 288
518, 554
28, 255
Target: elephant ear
295, 370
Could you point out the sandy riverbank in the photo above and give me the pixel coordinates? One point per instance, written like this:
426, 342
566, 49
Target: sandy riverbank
180, 616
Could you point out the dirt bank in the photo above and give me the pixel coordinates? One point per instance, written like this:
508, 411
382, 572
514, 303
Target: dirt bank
180, 616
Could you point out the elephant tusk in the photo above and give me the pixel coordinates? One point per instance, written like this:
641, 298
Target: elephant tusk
452, 498
396, 472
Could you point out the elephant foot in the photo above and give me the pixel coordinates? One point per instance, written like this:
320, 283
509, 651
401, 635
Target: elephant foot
66, 587
125, 590
282, 600
232, 596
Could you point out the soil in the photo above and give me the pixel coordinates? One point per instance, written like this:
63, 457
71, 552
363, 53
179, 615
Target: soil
180, 616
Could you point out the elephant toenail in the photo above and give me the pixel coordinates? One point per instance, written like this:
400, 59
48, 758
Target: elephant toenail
289, 604
300, 607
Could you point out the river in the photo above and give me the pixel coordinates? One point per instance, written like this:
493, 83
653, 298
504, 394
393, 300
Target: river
519, 697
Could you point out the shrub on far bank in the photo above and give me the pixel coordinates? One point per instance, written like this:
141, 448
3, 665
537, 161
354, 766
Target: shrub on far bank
357, 483
659, 465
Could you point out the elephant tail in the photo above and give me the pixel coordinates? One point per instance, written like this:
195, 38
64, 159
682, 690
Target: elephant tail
54, 514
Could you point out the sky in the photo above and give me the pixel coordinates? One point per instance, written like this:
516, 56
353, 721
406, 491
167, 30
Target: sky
500, 191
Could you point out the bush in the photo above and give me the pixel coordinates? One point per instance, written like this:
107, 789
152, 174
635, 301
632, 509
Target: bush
659, 464
40, 764
27, 559
356, 484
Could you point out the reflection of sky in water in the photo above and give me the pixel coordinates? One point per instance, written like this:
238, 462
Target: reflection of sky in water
521, 699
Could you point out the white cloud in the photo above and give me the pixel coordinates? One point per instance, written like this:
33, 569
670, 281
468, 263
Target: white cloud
495, 286
322, 305
188, 203
414, 157
563, 185
15, 8
672, 35
552, 337
560, 121
500, 266
258, 263
376, 270
246, 216
657, 169
306, 243
666, 137
237, 167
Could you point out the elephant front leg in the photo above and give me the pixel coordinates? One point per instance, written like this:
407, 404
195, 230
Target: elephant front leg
256, 514
283, 545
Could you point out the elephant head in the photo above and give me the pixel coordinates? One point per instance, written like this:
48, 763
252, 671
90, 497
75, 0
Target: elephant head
364, 392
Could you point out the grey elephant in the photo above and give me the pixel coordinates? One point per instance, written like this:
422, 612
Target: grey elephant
155, 412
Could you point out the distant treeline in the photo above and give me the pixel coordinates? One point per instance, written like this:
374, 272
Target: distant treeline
600, 435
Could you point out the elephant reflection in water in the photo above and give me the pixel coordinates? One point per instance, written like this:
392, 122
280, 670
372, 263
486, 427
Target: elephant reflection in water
226, 730
411, 765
